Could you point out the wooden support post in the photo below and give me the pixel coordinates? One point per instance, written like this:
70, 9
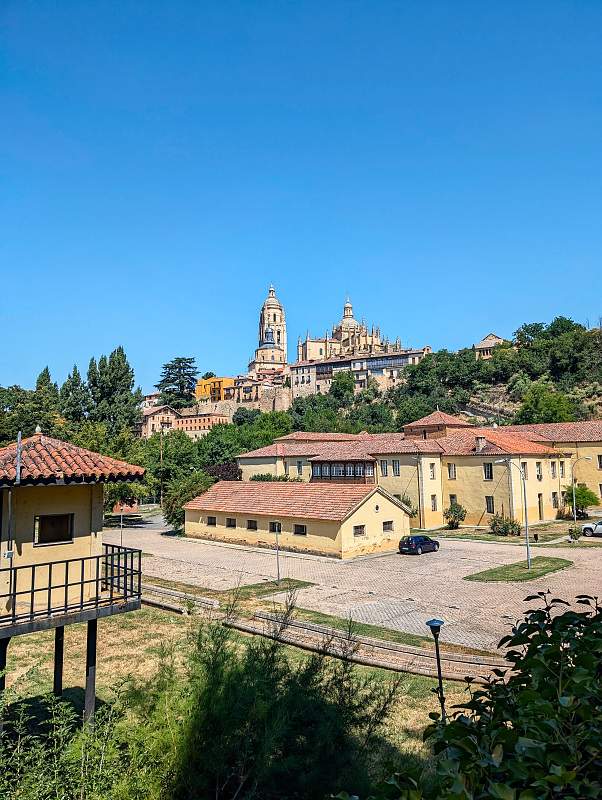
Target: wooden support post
59, 647
3, 649
90, 699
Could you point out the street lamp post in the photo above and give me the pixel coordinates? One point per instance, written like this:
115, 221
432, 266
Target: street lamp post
510, 463
435, 627
573, 465
277, 556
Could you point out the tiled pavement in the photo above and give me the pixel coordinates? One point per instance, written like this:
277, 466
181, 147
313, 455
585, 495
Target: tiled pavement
400, 592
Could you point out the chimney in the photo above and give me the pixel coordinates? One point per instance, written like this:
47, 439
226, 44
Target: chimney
480, 443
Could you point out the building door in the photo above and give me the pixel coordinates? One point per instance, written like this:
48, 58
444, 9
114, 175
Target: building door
540, 505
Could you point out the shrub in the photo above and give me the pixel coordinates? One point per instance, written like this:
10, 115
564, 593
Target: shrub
181, 491
454, 515
504, 526
269, 478
532, 732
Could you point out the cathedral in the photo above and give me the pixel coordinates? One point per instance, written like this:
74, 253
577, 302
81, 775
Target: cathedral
348, 338
270, 355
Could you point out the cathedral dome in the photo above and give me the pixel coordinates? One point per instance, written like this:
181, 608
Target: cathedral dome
348, 320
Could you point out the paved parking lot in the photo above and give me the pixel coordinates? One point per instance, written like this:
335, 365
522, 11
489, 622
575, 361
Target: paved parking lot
400, 592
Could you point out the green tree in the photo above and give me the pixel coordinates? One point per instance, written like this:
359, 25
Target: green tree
584, 498
114, 400
543, 403
178, 381
180, 491
206, 375
245, 416
47, 387
454, 515
74, 399
342, 388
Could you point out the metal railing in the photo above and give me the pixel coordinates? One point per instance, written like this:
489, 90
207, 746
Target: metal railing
33, 591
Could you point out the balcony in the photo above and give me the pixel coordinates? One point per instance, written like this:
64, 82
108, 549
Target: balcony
54, 593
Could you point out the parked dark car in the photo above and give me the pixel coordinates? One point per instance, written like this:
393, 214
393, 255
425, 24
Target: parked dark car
417, 545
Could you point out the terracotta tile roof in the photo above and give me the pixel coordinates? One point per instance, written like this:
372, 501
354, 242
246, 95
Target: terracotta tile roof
438, 418
464, 443
146, 412
397, 443
586, 431
301, 500
284, 449
46, 460
343, 451
491, 340
310, 436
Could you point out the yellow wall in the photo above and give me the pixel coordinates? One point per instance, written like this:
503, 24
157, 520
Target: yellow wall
323, 536
587, 472
258, 466
414, 480
85, 502
212, 388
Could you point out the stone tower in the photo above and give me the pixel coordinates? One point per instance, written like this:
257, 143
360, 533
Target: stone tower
271, 354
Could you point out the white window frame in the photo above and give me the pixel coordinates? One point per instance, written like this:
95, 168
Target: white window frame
487, 469
396, 467
384, 467
451, 471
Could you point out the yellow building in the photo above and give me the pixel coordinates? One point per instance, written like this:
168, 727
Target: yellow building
484, 348
322, 518
54, 568
441, 459
212, 389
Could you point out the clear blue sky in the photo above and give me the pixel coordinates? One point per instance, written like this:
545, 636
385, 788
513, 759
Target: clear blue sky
162, 162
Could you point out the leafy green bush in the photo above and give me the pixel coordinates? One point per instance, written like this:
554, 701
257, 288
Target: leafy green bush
454, 515
267, 477
504, 526
534, 732
584, 497
181, 491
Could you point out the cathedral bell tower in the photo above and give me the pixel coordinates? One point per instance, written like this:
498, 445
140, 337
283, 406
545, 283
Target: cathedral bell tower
271, 354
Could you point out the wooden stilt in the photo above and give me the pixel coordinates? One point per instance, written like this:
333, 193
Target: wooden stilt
59, 647
3, 649
90, 699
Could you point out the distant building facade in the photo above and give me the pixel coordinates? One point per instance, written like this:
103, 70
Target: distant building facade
271, 353
194, 421
212, 389
484, 349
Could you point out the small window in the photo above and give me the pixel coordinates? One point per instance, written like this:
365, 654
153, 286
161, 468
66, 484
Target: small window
396, 467
349, 470
300, 530
211, 521
451, 472
388, 525
326, 470
600, 461
251, 524
53, 528
453, 499
561, 465
524, 469
315, 470
359, 470
538, 470
299, 468
275, 527
359, 530
488, 471
338, 470
230, 522
432, 471
489, 504
553, 468
554, 499
384, 466
369, 469
433, 502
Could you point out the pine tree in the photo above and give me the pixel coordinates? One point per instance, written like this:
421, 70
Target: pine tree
178, 380
47, 389
114, 401
74, 397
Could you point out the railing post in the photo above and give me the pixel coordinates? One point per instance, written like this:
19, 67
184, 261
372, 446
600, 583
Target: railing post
49, 587
3, 649
33, 591
66, 586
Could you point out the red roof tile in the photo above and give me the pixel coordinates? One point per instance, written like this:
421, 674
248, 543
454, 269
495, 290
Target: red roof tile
497, 442
564, 432
310, 436
301, 500
47, 460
